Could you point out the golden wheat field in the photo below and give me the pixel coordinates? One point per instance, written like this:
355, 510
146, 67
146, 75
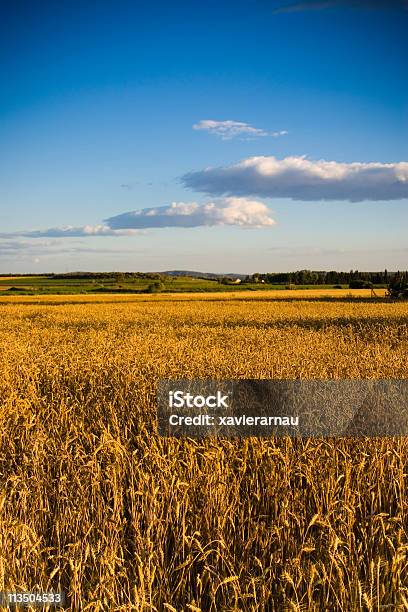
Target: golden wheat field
95, 503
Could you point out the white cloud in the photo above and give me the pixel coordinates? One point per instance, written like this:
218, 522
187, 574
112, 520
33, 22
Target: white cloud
228, 211
232, 129
241, 212
299, 178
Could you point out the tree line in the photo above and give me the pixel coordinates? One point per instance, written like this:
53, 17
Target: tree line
354, 278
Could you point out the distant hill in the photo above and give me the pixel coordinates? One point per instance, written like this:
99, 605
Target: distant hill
171, 273
207, 275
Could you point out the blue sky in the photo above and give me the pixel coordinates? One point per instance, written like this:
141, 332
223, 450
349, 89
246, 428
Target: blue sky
97, 112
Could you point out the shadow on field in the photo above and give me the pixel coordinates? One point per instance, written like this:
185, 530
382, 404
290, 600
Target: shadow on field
199, 298
328, 299
356, 324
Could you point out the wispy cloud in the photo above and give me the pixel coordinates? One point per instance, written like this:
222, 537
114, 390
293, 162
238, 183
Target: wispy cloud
70, 231
311, 251
12, 247
241, 212
229, 129
34, 248
318, 5
59, 254
299, 178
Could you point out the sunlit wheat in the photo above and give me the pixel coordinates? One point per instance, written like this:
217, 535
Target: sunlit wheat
95, 503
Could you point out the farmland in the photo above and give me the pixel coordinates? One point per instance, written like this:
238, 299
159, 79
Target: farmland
138, 283
95, 503
68, 285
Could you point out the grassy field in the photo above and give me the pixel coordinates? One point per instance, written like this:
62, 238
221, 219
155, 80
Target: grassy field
37, 285
94, 502
49, 285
